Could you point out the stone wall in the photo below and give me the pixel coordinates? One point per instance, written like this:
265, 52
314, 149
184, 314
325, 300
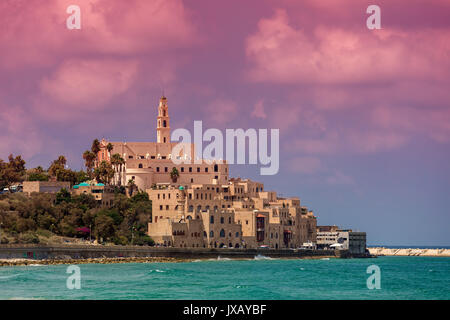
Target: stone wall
410, 252
83, 252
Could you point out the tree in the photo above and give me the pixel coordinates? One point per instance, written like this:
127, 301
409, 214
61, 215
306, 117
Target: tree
104, 226
11, 172
109, 147
117, 162
104, 172
131, 186
63, 196
174, 174
57, 165
89, 158
95, 148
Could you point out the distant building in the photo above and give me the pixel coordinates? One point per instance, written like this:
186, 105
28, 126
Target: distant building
44, 186
329, 237
98, 191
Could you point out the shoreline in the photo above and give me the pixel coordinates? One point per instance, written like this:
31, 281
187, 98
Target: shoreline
48, 262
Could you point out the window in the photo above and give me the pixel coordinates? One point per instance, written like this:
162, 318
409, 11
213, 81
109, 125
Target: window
237, 234
198, 169
246, 221
211, 234
191, 209
167, 207
166, 169
182, 169
160, 207
211, 219
222, 220
229, 220
140, 166
222, 233
157, 169
206, 169
190, 169
216, 168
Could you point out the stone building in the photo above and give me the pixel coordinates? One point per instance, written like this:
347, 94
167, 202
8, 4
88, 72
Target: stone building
204, 207
340, 239
150, 163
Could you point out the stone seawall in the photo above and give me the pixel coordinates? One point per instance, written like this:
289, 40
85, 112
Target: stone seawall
40, 252
410, 252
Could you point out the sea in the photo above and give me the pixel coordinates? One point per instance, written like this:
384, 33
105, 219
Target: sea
261, 278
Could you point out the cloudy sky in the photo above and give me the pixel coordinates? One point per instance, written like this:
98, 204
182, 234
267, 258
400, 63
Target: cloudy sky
364, 115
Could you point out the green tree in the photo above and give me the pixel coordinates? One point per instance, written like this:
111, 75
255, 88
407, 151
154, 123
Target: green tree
89, 161
12, 171
104, 172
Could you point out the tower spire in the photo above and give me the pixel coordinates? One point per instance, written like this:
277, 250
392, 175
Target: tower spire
162, 125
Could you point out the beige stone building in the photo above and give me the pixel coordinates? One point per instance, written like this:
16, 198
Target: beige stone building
44, 186
150, 163
204, 207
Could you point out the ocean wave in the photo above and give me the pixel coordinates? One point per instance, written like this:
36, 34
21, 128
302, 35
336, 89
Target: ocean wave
261, 257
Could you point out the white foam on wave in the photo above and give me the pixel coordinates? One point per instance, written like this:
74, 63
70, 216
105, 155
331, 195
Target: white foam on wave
261, 257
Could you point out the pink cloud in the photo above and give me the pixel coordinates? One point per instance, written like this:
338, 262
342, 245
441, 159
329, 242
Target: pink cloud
221, 111
34, 33
86, 83
278, 52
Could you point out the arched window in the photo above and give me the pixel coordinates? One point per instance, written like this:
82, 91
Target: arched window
140, 166
191, 208
215, 208
199, 208
189, 217
222, 233
222, 220
204, 234
216, 168
211, 219
164, 123
211, 234
207, 208
237, 234
229, 220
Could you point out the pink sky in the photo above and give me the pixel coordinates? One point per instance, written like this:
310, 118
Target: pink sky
343, 96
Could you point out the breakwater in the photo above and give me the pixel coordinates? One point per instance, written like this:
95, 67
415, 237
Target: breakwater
70, 252
381, 251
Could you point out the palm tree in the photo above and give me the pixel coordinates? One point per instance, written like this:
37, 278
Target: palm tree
95, 148
89, 158
117, 162
109, 147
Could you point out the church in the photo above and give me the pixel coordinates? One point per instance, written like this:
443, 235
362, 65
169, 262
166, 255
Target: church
150, 163
204, 207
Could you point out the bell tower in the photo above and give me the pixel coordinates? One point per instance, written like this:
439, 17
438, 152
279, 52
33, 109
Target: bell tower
162, 125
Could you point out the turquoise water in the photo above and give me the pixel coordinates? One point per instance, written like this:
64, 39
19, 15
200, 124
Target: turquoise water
401, 278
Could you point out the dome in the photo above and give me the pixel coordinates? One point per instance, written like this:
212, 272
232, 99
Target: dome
181, 188
84, 184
